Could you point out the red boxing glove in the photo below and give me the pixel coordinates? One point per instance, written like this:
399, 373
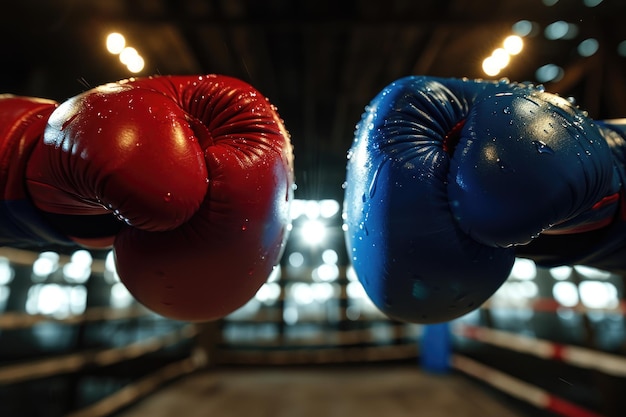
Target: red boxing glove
199, 169
22, 122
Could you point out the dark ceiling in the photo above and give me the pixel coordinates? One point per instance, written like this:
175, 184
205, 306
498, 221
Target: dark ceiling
319, 61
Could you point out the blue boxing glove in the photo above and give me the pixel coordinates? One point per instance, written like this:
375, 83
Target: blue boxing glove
447, 179
597, 237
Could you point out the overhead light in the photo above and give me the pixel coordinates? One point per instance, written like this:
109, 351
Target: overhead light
312, 209
561, 273
525, 28
501, 56
592, 3
513, 44
296, 259
129, 56
46, 263
549, 72
136, 64
313, 232
524, 269
565, 293
596, 294
325, 273
588, 47
330, 256
491, 67
561, 30
115, 43
592, 273
329, 207
6, 271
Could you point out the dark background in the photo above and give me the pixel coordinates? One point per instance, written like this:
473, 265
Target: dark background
319, 61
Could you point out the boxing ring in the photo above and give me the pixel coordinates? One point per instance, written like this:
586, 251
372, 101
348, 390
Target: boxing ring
65, 346
110, 356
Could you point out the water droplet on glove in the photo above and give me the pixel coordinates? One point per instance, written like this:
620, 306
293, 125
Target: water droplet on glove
542, 147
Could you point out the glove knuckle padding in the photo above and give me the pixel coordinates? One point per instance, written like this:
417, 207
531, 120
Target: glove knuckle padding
216, 261
529, 160
135, 153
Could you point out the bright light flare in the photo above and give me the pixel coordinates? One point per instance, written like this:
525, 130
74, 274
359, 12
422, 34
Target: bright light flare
501, 56
46, 263
524, 269
128, 54
131, 58
565, 293
115, 43
490, 66
513, 44
313, 232
596, 294
6, 271
136, 64
493, 64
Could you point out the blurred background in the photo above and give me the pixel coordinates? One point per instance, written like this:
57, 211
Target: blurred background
74, 342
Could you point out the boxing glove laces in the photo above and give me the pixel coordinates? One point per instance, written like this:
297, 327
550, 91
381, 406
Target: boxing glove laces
188, 178
449, 180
